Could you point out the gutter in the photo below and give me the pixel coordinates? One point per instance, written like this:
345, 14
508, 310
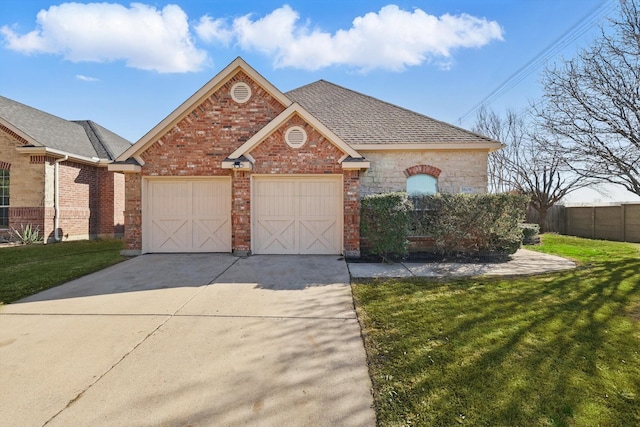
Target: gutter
56, 198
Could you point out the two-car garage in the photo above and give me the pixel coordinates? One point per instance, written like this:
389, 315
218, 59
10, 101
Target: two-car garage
289, 214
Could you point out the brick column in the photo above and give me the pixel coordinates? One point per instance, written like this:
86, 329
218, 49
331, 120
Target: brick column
241, 213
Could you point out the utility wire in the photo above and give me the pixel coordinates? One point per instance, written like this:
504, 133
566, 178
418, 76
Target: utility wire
588, 21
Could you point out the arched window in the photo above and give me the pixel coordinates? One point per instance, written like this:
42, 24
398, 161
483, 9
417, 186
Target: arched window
422, 184
4, 198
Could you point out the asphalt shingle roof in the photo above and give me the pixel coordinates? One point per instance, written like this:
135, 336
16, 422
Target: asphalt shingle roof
361, 119
83, 138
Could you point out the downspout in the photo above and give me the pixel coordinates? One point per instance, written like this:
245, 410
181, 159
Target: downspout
56, 198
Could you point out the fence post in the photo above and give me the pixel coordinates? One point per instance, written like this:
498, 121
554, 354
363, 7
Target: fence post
623, 221
593, 222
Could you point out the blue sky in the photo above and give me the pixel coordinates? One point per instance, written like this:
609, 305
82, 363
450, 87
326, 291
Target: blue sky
127, 65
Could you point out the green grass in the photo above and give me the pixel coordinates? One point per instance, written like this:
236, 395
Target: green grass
558, 349
26, 270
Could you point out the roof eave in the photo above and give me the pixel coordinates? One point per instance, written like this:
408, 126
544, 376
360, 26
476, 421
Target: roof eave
20, 132
484, 146
59, 154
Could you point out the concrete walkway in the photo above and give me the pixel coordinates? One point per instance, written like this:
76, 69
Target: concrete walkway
198, 340
523, 262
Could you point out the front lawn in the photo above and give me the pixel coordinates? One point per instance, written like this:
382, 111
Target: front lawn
559, 349
26, 270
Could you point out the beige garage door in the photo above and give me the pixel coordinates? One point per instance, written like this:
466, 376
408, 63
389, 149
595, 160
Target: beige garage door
187, 215
297, 215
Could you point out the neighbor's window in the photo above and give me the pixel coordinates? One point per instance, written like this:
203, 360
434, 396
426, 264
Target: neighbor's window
422, 184
4, 198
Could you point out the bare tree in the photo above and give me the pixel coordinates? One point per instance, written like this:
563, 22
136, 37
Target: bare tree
528, 164
592, 103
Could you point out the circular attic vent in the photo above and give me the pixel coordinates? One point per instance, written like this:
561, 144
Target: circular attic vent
240, 92
295, 137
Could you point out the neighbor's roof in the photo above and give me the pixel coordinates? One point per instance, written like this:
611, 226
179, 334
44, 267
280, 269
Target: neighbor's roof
83, 138
361, 119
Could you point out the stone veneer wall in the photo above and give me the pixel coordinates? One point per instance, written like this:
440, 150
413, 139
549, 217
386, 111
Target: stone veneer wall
459, 168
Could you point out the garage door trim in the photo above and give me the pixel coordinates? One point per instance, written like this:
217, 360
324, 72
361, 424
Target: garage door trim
147, 204
339, 214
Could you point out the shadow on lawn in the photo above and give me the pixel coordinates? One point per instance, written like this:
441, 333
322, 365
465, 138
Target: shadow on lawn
562, 351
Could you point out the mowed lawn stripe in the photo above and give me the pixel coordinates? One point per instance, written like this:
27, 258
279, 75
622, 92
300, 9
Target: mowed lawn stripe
558, 349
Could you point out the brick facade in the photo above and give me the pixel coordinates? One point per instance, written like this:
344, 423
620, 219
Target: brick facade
208, 133
389, 170
87, 208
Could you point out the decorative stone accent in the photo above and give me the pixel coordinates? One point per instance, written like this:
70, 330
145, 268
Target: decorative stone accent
422, 170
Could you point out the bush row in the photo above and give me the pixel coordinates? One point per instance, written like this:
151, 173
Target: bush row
460, 224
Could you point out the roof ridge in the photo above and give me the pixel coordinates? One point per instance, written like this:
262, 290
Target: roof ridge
94, 138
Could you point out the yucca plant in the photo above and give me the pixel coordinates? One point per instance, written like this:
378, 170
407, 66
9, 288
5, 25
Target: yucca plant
27, 234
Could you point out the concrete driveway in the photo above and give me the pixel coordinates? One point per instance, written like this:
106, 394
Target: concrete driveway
197, 340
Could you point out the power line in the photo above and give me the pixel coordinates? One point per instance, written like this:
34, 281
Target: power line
593, 17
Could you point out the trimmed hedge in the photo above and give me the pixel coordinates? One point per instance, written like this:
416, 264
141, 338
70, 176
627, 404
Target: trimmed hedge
472, 224
460, 224
384, 224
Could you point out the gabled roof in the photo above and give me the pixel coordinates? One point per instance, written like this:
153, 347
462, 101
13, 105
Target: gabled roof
274, 124
196, 99
81, 138
361, 120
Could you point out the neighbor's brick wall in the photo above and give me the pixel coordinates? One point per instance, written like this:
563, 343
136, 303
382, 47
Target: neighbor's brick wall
26, 192
27, 179
86, 194
459, 168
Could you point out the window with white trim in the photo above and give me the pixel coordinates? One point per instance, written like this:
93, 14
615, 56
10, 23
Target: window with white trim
4, 198
422, 184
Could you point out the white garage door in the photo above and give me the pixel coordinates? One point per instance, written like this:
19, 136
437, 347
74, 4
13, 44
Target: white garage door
297, 215
187, 215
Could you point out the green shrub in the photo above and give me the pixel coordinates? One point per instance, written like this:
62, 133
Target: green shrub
530, 233
384, 224
470, 224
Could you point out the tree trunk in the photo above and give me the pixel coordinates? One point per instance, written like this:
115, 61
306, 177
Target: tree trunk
542, 219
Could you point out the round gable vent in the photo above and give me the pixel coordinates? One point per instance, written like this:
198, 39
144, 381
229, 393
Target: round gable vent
295, 137
240, 92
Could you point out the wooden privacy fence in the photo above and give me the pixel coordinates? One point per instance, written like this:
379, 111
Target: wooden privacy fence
615, 222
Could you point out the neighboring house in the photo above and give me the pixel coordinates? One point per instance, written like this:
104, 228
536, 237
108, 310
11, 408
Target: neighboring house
54, 176
242, 167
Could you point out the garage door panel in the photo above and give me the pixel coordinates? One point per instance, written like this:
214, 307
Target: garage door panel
297, 215
275, 235
318, 236
169, 235
188, 216
209, 235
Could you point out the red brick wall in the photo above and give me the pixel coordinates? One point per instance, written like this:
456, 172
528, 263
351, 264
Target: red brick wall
133, 212
118, 204
241, 211
197, 145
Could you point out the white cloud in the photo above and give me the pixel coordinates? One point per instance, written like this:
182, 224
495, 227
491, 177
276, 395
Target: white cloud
214, 30
143, 36
391, 39
86, 78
